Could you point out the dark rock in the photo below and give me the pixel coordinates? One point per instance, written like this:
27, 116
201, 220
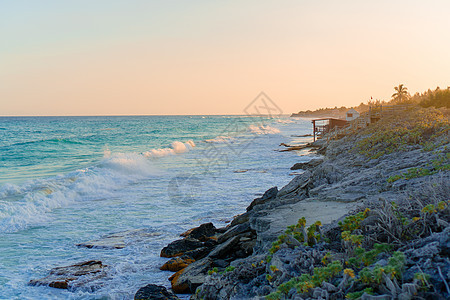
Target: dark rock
202, 233
154, 292
220, 263
307, 165
188, 279
73, 275
178, 263
239, 219
221, 230
233, 231
198, 253
179, 247
224, 250
269, 194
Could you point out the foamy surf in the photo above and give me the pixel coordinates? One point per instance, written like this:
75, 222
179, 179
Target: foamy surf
30, 204
263, 129
175, 148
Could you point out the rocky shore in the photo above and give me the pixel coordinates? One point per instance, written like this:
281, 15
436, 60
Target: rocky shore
353, 225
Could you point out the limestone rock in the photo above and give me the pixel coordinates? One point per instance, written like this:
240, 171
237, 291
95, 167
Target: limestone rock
307, 165
299, 182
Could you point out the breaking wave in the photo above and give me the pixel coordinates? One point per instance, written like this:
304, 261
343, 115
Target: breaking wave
263, 129
175, 148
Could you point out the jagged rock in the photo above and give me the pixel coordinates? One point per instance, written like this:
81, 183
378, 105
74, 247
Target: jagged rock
233, 231
154, 292
240, 219
307, 165
198, 253
224, 249
201, 233
299, 182
188, 279
268, 195
175, 264
71, 276
220, 263
179, 247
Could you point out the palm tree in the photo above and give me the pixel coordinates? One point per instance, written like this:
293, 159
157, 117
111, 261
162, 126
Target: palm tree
401, 94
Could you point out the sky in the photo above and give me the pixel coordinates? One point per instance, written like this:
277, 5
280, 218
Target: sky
134, 57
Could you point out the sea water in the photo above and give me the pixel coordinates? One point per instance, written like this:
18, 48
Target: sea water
68, 180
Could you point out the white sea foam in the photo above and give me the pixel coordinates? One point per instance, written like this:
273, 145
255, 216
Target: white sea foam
263, 129
175, 148
29, 204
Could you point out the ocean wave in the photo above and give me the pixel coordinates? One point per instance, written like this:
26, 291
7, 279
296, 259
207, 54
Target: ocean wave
175, 148
30, 203
220, 139
263, 129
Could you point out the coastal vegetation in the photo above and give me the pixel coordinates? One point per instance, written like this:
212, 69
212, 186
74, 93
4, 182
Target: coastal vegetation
417, 127
357, 268
436, 98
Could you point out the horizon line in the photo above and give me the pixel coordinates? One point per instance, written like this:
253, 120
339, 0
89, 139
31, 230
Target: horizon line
132, 115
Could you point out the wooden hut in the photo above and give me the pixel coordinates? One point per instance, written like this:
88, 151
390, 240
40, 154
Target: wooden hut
325, 125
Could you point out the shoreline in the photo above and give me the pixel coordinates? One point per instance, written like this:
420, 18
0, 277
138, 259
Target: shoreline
345, 181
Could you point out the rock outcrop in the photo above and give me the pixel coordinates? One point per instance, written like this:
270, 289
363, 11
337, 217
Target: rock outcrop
70, 277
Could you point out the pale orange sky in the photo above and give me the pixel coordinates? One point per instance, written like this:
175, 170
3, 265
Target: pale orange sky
214, 57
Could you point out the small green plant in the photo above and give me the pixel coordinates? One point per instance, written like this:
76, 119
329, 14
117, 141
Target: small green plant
393, 269
367, 257
423, 279
326, 273
352, 222
214, 270
229, 269
357, 295
308, 236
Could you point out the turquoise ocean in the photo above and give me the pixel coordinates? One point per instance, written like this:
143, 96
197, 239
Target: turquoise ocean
68, 180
